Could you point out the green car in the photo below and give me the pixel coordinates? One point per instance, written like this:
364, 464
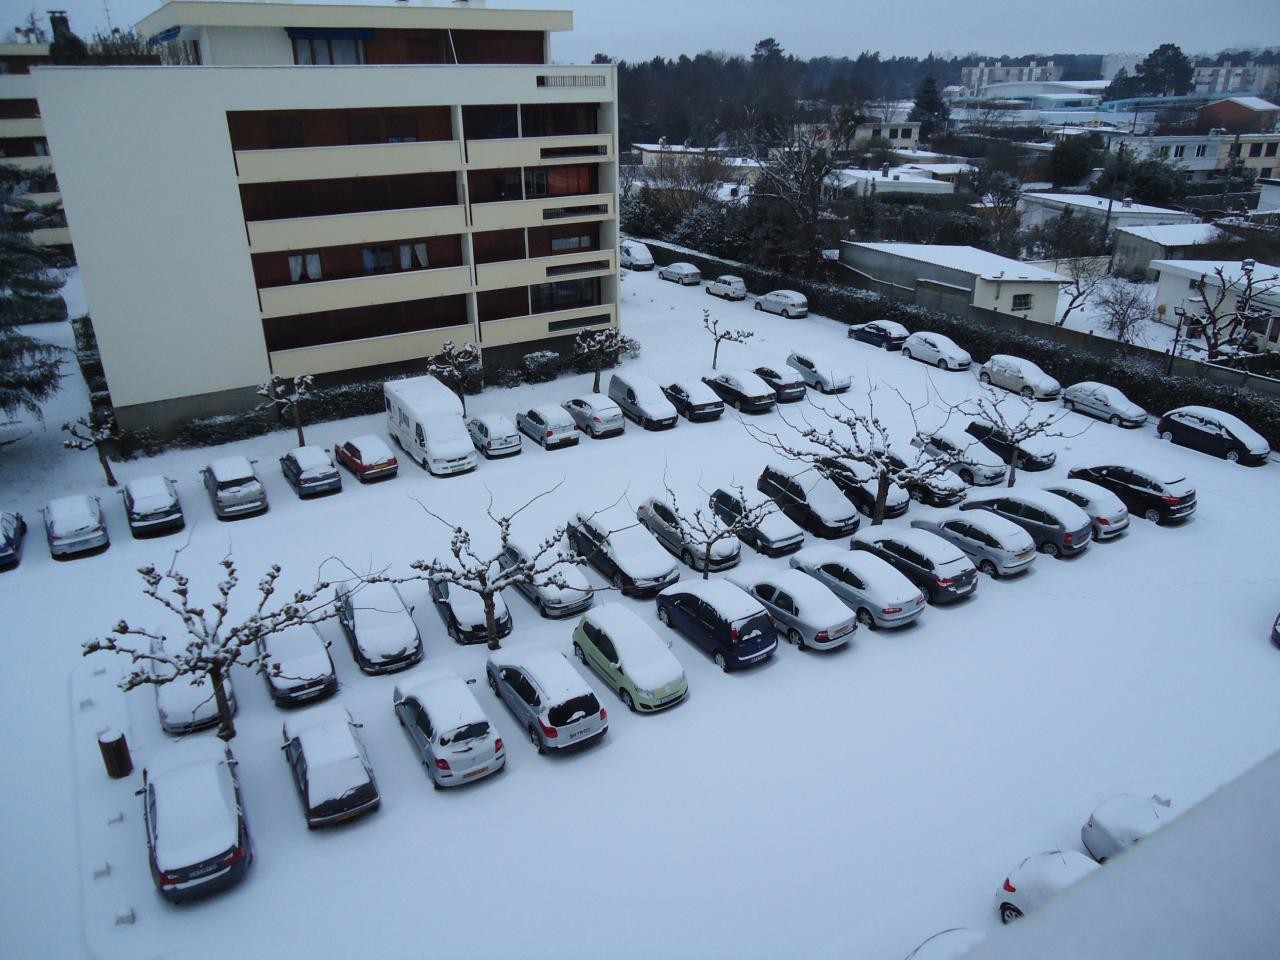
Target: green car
633, 660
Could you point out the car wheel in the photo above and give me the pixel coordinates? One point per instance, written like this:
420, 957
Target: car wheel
864, 617
985, 378
1233, 456
1153, 515
542, 609
989, 568
906, 353
493, 685
1166, 435
721, 662
536, 740
1009, 913
967, 476
1027, 392
1049, 548
916, 494
454, 634
1113, 420
435, 784
577, 652
617, 582
758, 307
627, 701
737, 405
793, 636
663, 617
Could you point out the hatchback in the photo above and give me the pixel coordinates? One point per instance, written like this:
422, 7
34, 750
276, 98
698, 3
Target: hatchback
727, 287
1109, 514
809, 498
804, 611
634, 255
596, 416
743, 390
624, 553
818, 373
998, 546
1158, 494
772, 533
546, 696
685, 274
1058, 526
880, 333
937, 567
1122, 822
462, 612
1214, 432
785, 303
626, 652
707, 546
860, 483
694, 400
368, 457
787, 386
310, 471
297, 666
379, 627
449, 730
1104, 402
1019, 376
722, 619
550, 427
1038, 879
74, 525
877, 593
965, 457
494, 435
13, 533
185, 703
152, 506
197, 837
925, 477
571, 594
933, 348
234, 488
330, 768
1031, 455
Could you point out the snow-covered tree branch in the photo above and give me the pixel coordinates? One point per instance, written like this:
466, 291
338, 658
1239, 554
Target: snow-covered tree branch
598, 349
1017, 419
94, 432
285, 394
722, 336
454, 366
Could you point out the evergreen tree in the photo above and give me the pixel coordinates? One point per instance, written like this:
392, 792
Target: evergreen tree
1165, 72
66, 48
1070, 161
929, 109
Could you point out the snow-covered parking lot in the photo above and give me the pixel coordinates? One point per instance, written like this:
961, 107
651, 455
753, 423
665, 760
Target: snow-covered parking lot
846, 804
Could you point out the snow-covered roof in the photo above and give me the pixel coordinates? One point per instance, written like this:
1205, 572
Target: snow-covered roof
1053, 869
1006, 531
730, 601
751, 383
647, 659
675, 148
149, 493
929, 544
312, 459
382, 624
553, 415
425, 394
372, 447
877, 573
301, 655
1086, 202
549, 668
940, 168
1232, 270
1174, 234
696, 390
980, 263
72, 514
1099, 496
298, 724
1244, 433
1249, 103
231, 468
1066, 511
498, 424
195, 810
812, 598
599, 403
1128, 816
446, 696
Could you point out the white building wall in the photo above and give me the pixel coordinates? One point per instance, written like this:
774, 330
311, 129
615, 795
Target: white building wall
245, 46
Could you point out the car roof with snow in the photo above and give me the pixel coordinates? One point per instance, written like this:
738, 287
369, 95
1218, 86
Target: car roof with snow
1003, 529
646, 657
552, 414
1093, 492
1128, 815
72, 510
941, 339
495, 423
696, 390
891, 326
957, 437
751, 383
371, 446
786, 293
1026, 365
231, 468
195, 815
447, 697
301, 640
729, 600
1067, 511
311, 458
549, 668
930, 544
1055, 869
810, 595
150, 492
1242, 430
382, 622
314, 726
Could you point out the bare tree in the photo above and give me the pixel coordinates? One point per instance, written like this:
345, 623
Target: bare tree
598, 349
94, 432
722, 336
1126, 310
700, 528
682, 180
1018, 419
1084, 276
453, 366
207, 644
285, 394
1231, 303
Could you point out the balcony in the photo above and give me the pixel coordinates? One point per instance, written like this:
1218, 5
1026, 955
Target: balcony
512, 214
22, 127
351, 292
353, 354
51, 236
43, 199
521, 273
364, 160
540, 326
528, 151
29, 163
307, 233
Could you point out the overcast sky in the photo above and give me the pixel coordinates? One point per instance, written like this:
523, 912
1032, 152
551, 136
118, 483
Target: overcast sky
641, 29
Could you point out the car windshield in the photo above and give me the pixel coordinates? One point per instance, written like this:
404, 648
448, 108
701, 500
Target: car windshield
356, 796
471, 731
235, 482
753, 628
573, 709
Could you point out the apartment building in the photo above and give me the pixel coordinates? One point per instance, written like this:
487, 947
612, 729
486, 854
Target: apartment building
977, 79
1247, 77
332, 189
22, 138
1259, 152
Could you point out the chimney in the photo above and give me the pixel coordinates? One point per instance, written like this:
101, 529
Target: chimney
1127, 202
884, 171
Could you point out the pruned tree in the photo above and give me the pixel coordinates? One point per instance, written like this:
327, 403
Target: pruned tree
285, 394
701, 528
1231, 303
1018, 418
1001, 193
454, 366
682, 180
1084, 276
722, 336
1126, 309
95, 431
597, 349
205, 643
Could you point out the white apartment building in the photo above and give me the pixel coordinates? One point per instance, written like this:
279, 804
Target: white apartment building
1197, 155
1235, 78
1179, 280
22, 138
328, 189
977, 79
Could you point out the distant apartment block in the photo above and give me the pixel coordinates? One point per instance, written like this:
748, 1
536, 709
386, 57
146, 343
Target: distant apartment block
328, 189
976, 79
1238, 78
22, 137
1258, 152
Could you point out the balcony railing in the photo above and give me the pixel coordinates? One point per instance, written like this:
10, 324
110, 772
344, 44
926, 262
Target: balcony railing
307, 233
363, 160
539, 326
319, 295
353, 354
535, 270
538, 151
511, 214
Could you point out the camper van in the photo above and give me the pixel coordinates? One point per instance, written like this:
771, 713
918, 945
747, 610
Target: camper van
425, 417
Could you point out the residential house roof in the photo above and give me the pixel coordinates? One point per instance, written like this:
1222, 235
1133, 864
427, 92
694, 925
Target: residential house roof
980, 263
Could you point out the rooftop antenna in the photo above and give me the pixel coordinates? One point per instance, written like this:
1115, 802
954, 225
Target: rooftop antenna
106, 9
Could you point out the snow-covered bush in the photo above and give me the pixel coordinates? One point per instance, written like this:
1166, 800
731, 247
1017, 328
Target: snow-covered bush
542, 366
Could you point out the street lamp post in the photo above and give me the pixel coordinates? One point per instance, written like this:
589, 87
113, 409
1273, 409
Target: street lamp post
1181, 314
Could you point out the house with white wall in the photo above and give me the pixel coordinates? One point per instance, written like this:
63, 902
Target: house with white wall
1037, 208
1179, 281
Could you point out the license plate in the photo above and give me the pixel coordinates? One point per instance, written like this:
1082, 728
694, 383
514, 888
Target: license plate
310, 693
1025, 554
965, 588
474, 773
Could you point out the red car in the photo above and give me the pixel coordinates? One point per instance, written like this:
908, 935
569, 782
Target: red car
368, 457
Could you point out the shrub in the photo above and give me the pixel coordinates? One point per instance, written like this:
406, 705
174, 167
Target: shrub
542, 366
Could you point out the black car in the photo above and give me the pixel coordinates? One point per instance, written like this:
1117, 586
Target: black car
809, 499
933, 485
1275, 632
151, 504
13, 533
937, 567
695, 401
860, 485
1003, 446
880, 333
1214, 432
379, 627
774, 535
1161, 497
785, 383
743, 390
622, 551
310, 471
330, 769
462, 611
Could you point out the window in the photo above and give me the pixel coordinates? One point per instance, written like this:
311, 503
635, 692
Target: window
413, 256
607, 649
1271, 148
304, 266
377, 259
1022, 301
1255, 149
535, 183
1265, 172
893, 133
563, 244
1162, 151
401, 128
1180, 150
327, 50
1201, 149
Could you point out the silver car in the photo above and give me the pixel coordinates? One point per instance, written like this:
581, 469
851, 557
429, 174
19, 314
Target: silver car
74, 525
937, 350
547, 697
1109, 515
966, 457
553, 601
998, 547
494, 435
1104, 402
878, 594
448, 728
1019, 376
661, 520
819, 374
596, 416
1058, 526
234, 488
804, 611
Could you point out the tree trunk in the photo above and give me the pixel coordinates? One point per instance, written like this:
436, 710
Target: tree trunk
106, 464
715, 354
706, 560
1013, 465
226, 721
490, 623
882, 497
595, 384
297, 422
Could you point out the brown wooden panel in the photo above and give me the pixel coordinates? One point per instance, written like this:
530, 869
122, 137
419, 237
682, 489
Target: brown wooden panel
315, 198
361, 323
501, 304
348, 260
280, 129
494, 246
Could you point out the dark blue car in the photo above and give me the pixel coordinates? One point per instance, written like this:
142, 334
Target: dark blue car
13, 531
880, 333
722, 619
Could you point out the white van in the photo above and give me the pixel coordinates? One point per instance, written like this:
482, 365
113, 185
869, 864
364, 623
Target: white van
425, 417
642, 400
634, 255
786, 303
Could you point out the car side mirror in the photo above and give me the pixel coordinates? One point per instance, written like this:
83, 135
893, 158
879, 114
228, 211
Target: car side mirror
471, 680
411, 608
140, 791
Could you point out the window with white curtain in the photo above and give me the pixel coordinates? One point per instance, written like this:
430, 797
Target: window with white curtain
295, 267
313, 266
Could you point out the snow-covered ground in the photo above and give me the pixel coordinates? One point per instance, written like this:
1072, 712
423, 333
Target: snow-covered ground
825, 805
1088, 318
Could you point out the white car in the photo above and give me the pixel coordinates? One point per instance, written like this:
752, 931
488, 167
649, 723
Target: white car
1038, 878
596, 415
74, 525
297, 666
818, 373
448, 728
936, 350
965, 457
728, 287
785, 303
186, 703
878, 594
1109, 515
634, 255
1019, 376
494, 435
688, 540
685, 274
1104, 402
548, 426
999, 547
1122, 821
804, 611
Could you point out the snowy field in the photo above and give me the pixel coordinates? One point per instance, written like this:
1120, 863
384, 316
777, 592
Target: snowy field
825, 805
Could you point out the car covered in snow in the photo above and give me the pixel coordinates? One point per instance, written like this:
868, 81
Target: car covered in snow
571, 595
727, 287
1157, 493
1038, 879
234, 488
330, 767
622, 551
787, 386
936, 566
785, 303
1214, 432
152, 506
197, 838
694, 400
494, 435
74, 525
880, 333
548, 426
13, 534
743, 390
690, 545
860, 483
630, 657
685, 274
1058, 527
1032, 454
368, 457
772, 533
1109, 514
449, 730
808, 498
965, 457
378, 626
804, 611
462, 612
936, 350
1121, 822
185, 702
310, 471
925, 477
1104, 402
642, 400
998, 546
297, 666
819, 373
1019, 376
596, 416
634, 255
722, 619
547, 697
878, 594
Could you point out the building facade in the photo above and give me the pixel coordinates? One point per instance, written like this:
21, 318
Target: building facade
23, 143
1039, 208
333, 189
1178, 283
1239, 78
977, 79
1259, 152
